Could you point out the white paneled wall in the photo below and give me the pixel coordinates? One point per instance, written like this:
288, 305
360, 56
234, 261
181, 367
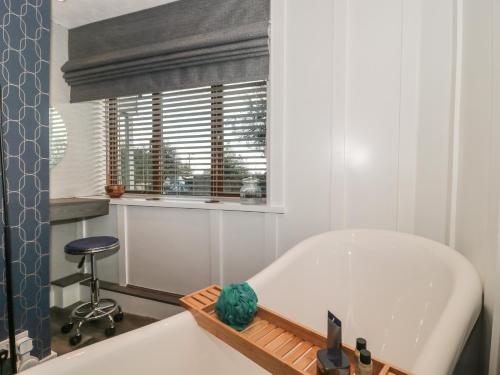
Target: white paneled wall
181, 250
307, 122
168, 247
373, 97
363, 95
494, 364
361, 105
242, 249
478, 174
435, 110
393, 93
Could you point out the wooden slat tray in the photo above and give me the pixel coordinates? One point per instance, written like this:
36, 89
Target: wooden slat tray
276, 343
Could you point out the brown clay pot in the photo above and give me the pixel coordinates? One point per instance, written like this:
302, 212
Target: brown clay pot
115, 191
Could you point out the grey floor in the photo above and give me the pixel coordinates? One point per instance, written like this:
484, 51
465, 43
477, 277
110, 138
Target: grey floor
92, 332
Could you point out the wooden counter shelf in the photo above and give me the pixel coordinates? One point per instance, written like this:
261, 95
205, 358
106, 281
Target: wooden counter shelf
274, 342
64, 209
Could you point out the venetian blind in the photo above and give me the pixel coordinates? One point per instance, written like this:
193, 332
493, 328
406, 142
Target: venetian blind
194, 142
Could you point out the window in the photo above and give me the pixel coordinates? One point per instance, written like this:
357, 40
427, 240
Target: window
195, 142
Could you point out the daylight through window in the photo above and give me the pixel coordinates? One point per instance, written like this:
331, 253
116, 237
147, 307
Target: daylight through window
195, 142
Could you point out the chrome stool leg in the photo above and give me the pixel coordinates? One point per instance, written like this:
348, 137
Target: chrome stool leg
77, 338
94, 283
110, 331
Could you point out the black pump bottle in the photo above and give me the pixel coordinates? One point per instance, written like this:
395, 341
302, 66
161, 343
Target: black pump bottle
333, 360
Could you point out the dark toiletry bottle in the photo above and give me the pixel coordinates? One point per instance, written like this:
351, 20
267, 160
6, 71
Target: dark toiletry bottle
333, 360
360, 345
365, 365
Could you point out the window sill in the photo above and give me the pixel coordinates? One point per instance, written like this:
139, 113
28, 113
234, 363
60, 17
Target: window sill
223, 205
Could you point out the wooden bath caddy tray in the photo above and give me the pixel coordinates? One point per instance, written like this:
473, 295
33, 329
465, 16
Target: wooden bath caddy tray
274, 342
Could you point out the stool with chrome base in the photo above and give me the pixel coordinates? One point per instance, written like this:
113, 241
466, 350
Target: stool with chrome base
97, 308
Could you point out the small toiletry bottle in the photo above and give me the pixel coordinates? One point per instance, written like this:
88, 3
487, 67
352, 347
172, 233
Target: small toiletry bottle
360, 345
365, 366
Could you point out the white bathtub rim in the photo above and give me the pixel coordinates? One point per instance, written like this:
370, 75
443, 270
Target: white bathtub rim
457, 319
446, 341
93, 352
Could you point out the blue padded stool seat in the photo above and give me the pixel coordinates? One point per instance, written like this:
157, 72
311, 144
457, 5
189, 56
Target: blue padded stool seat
92, 245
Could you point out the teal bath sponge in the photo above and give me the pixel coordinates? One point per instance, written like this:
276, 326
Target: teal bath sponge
237, 305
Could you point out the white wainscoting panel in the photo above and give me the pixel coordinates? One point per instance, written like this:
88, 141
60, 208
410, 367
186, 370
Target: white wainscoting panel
244, 243
308, 120
436, 95
478, 190
373, 105
168, 249
182, 250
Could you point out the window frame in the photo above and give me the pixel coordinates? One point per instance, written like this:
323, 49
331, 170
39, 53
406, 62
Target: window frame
216, 141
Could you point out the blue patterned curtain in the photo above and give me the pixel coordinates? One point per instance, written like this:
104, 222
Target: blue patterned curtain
24, 81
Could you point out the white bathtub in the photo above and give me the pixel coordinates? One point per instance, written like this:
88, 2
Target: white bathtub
414, 300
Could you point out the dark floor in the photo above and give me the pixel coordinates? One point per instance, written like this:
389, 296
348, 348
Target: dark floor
92, 332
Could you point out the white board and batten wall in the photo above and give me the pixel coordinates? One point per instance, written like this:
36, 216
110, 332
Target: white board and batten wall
364, 133
350, 88
473, 235
476, 218
353, 101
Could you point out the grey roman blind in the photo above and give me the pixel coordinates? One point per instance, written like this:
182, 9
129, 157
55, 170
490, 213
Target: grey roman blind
180, 45
194, 142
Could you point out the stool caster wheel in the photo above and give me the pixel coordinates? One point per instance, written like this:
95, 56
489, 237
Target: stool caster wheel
75, 340
110, 331
67, 328
118, 317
